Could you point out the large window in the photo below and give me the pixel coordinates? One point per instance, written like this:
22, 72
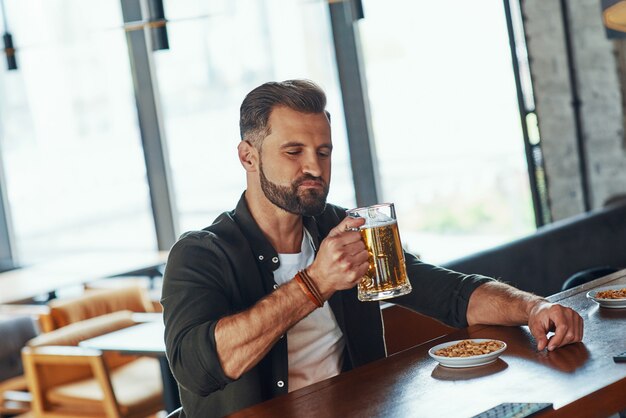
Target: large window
69, 134
220, 50
446, 124
441, 91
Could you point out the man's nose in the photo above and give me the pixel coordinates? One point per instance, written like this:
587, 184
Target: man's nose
312, 166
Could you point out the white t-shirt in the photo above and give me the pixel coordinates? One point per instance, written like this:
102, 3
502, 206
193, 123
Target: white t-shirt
315, 344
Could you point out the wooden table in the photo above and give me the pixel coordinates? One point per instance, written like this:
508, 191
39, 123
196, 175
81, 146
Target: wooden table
144, 339
41, 279
580, 380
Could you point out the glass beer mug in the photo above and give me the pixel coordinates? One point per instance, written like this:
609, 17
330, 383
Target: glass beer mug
386, 276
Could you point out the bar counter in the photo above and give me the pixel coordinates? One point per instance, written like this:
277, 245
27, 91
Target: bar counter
580, 380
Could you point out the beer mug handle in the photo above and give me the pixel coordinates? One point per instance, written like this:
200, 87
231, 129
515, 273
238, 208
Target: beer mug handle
353, 216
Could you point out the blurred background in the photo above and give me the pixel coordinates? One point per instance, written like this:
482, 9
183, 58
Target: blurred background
108, 142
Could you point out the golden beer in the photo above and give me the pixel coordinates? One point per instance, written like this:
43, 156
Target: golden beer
386, 276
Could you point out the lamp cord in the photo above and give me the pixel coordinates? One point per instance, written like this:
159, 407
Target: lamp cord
5, 25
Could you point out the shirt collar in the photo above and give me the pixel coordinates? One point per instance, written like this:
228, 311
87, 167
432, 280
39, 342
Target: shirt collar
263, 251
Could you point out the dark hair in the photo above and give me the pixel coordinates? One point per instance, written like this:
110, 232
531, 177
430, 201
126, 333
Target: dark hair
300, 95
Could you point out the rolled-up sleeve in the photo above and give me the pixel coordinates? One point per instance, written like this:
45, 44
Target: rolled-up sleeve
439, 293
195, 296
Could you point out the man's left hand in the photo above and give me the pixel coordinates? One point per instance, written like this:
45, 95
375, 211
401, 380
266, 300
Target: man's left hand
566, 324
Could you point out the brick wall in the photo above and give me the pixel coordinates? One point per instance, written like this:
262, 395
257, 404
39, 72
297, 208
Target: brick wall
601, 114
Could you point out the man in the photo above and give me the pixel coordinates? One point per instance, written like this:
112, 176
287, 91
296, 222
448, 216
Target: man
239, 330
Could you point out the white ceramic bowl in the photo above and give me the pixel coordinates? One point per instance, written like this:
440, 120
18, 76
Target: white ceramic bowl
471, 361
608, 303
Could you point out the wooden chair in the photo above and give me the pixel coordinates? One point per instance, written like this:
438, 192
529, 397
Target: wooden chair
14, 332
151, 285
70, 381
93, 303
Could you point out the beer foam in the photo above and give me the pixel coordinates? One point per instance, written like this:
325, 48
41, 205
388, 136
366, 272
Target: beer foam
371, 223
378, 218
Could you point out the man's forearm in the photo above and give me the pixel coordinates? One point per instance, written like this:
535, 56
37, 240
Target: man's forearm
245, 338
495, 303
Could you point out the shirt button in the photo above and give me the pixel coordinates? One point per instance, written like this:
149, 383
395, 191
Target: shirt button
261, 257
280, 383
275, 286
282, 336
275, 260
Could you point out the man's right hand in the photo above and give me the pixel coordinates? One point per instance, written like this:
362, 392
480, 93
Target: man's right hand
244, 338
341, 261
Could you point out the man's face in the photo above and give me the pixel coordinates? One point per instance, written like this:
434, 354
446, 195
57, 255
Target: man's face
294, 165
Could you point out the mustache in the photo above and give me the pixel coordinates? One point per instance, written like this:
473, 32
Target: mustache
308, 177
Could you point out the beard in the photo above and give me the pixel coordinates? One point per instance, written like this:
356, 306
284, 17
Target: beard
309, 202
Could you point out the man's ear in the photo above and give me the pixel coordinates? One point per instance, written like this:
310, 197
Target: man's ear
248, 156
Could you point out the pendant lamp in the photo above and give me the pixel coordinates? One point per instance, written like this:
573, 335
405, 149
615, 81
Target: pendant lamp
9, 49
614, 18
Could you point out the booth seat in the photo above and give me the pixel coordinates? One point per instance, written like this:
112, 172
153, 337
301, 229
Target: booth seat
543, 261
69, 381
540, 263
93, 303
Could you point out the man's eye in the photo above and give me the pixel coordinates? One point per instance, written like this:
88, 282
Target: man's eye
324, 154
293, 152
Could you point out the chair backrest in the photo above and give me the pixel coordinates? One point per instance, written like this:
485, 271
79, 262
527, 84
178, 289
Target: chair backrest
73, 334
175, 413
14, 333
94, 303
587, 275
